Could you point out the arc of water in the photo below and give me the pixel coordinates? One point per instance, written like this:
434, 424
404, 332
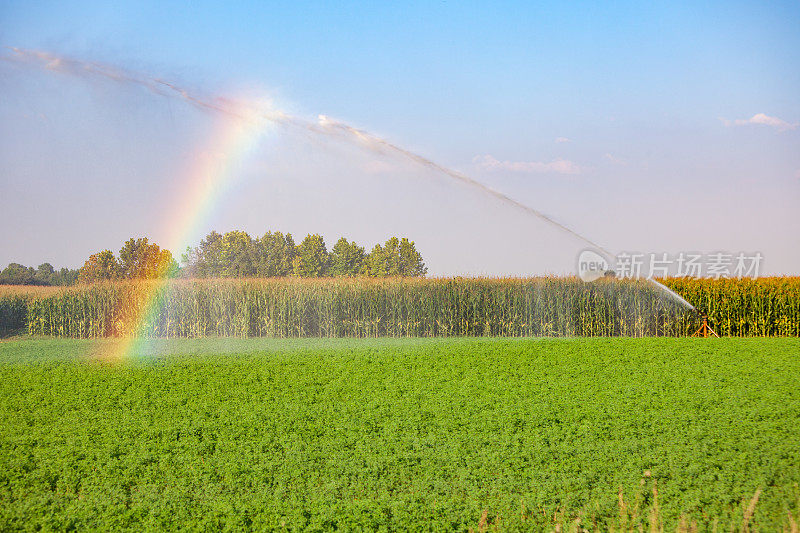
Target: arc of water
324, 126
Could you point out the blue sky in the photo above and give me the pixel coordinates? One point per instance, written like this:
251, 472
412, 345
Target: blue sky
664, 127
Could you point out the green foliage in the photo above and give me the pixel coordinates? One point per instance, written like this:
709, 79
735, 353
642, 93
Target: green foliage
274, 255
445, 435
409, 260
395, 258
391, 257
16, 274
311, 258
375, 264
140, 259
13, 314
206, 260
45, 274
232, 255
133, 258
101, 266
237, 255
346, 259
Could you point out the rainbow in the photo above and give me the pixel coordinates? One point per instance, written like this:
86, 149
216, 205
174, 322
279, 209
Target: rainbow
212, 170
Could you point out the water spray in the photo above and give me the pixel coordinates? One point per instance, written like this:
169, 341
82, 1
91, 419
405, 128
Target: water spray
324, 126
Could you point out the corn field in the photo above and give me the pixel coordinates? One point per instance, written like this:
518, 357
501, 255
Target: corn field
336, 307
763, 307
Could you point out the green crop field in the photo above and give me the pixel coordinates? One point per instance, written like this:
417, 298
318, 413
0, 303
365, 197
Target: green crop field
441, 434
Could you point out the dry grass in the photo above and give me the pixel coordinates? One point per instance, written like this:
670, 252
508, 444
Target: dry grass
631, 513
33, 291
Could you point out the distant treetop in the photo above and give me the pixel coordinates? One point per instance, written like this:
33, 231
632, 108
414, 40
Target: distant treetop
237, 254
233, 255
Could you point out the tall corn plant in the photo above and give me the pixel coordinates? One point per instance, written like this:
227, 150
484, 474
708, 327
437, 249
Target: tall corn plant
513, 307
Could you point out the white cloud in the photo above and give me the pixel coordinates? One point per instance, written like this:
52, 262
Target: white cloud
559, 166
764, 120
563, 140
614, 160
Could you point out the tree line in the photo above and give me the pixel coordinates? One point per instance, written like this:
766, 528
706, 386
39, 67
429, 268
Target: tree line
234, 254
44, 274
138, 259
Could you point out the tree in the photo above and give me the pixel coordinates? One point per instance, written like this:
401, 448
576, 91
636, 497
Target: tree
274, 254
237, 255
45, 270
205, 261
139, 258
66, 276
397, 257
391, 252
189, 263
346, 259
411, 263
375, 263
133, 258
311, 259
163, 264
100, 266
17, 274
45, 274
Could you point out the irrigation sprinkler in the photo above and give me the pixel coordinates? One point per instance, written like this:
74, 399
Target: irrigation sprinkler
705, 330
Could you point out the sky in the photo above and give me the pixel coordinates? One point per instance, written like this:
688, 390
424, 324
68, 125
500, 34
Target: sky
645, 127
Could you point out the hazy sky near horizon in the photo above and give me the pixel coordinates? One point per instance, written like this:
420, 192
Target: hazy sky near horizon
651, 128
